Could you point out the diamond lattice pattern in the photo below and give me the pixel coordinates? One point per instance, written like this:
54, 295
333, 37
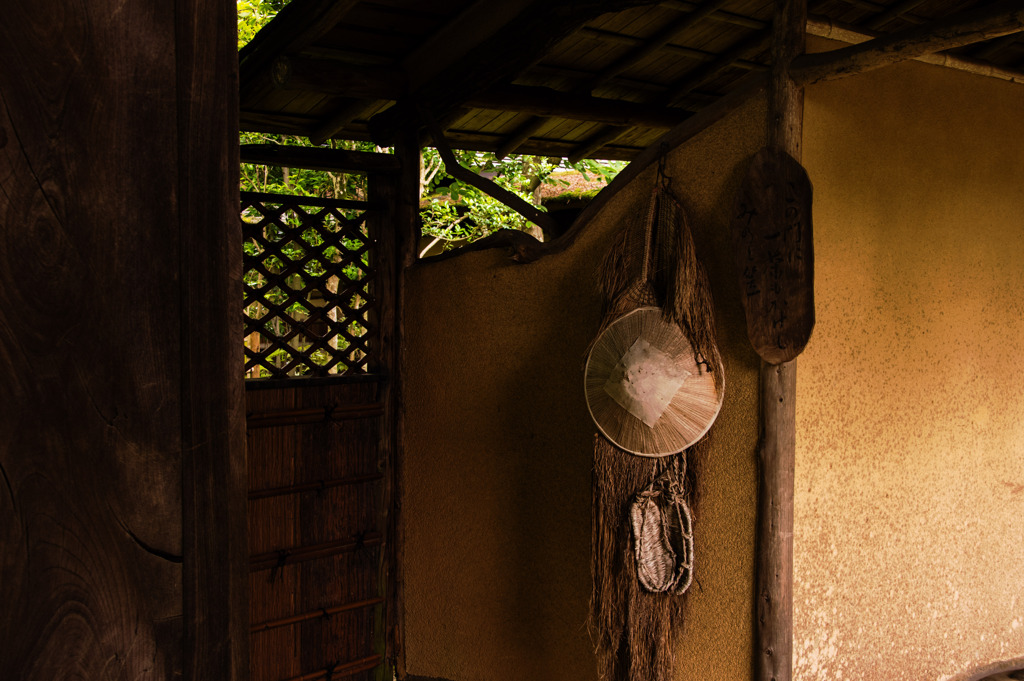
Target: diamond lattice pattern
309, 306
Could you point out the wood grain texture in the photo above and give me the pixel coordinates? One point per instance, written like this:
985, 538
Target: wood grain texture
384, 229
774, 568
991, 21
329, 539
405, 220
210, 268
976, 64
777, 450
91, 300
774, 255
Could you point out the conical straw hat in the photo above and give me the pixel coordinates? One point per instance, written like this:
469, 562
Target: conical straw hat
644, 388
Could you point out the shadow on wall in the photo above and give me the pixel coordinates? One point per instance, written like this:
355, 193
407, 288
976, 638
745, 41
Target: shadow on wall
1016, 674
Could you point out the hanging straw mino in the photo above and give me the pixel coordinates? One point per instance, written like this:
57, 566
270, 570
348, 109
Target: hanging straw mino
633, 628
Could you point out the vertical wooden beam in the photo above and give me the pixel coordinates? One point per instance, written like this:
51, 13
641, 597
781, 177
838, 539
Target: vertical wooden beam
215, 575
404, 216
774, 660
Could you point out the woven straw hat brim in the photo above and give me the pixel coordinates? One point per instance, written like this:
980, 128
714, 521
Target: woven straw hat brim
689, 412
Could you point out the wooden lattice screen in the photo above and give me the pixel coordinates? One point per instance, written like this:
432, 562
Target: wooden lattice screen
309, 294
319, 312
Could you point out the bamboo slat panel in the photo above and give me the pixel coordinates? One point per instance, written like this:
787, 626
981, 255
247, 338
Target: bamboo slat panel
325, 583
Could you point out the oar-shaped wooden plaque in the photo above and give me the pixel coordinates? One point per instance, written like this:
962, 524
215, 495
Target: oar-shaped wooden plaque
772, 244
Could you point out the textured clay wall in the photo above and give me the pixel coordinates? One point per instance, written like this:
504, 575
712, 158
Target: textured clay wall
910, 454
499, 442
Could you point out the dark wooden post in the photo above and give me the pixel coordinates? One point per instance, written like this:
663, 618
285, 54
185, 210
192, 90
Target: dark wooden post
404, 216
778, 393
122, 510
215, 579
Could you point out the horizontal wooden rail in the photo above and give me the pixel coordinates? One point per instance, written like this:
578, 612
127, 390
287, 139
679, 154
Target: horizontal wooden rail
324, 613
281, 557
338, 671
313, 486
291, 417
297, 200
338, 160
299, 382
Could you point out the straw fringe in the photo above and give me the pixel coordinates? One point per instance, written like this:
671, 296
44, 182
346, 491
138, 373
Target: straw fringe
651, 262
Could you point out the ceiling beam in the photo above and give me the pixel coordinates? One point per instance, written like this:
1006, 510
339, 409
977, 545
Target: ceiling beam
469, 29
542, 101
965, 28
332, 160
825, 28
527, 249
533, 126
661, 38
298, 24
720, 15
518, 44
329, 77
342, 117
689, 52
452, 166
899, 10
643, 49
753, 43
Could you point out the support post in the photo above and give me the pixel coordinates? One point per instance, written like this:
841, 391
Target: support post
774, 657
404, 215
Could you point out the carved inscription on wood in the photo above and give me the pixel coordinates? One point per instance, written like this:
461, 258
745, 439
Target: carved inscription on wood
774, 253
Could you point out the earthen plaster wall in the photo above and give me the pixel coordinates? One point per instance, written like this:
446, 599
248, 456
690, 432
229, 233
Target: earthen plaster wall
498, 449
910, 444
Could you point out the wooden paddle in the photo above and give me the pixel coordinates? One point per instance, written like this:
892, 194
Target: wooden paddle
773, 249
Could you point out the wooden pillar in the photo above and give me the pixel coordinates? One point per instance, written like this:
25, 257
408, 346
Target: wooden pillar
774, 660
404, 214
122, 513
215, 579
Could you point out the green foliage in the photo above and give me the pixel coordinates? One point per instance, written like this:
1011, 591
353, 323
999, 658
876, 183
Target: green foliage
254, 15
299, 181
451, 210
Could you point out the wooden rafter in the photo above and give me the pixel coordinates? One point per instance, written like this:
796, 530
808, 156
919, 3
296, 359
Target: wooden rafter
465, 31
661, 38
547, 102
375, 83
329, 77
899, 10
742, 49
517, 45
824, 28
525, 248
682, 50
452, 166
720, 15
534, 126
471, 28
297, 25
962, 29
642, 50
342, 116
